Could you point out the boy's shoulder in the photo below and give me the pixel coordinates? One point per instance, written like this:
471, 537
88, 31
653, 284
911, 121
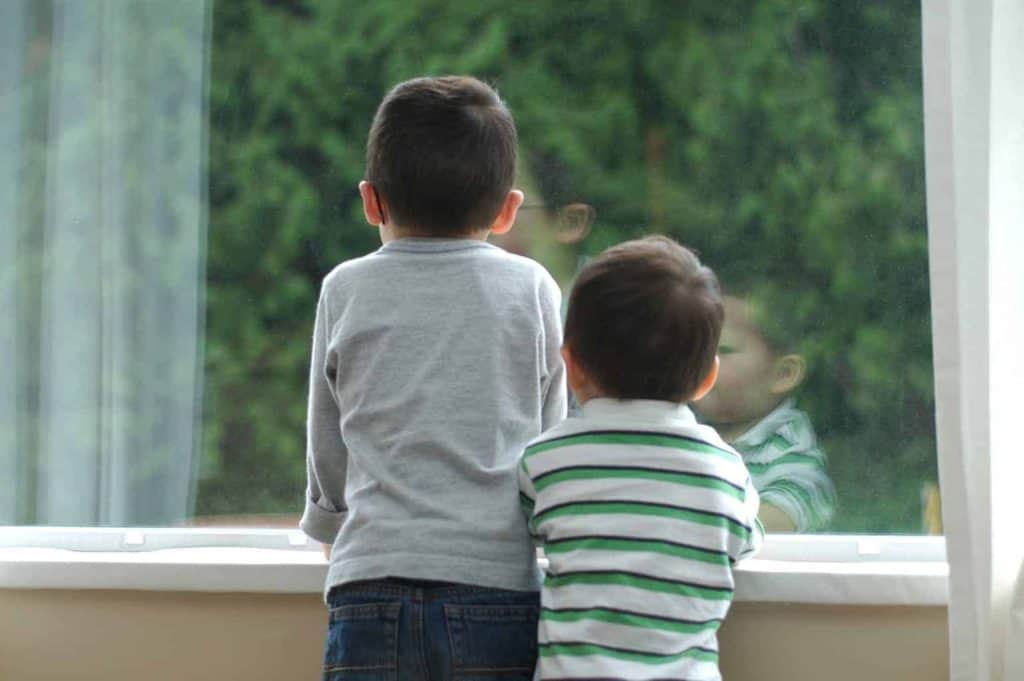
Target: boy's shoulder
785, 427
518, 263
508, 264
571, 426
628, 432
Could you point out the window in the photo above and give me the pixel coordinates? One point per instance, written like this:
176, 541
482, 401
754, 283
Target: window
184, 174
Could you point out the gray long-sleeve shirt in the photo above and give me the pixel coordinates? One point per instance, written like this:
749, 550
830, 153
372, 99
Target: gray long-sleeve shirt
434, 362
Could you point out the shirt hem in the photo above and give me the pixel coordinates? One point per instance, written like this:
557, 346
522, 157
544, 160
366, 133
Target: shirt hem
496, 575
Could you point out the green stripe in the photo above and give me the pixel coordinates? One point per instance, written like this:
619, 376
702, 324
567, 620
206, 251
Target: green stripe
645, 583
798, 459
802, 496
816, 507
630, 439
653, 546
525, 501
583, 649
629, 620
604, 473
625, 507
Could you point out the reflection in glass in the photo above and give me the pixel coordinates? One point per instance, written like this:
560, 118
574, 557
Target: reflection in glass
753, 407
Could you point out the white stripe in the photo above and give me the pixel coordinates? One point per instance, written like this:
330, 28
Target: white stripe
650, 491
565, 666
790, 471
643, 527
644, 562
632, 598
728, 466
624, 636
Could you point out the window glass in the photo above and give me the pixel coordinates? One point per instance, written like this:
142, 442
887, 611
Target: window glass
183, 175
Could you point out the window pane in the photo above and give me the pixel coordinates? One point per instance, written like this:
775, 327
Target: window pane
781, 140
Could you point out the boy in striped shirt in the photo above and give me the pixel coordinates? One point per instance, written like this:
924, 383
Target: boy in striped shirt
642, 511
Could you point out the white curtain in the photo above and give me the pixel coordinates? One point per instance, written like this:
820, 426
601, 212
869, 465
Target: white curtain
102, 234
974, 120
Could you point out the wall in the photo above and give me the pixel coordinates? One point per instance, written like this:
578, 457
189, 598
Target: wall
129, 635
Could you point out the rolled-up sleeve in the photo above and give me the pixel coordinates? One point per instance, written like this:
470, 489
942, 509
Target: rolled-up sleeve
326, 456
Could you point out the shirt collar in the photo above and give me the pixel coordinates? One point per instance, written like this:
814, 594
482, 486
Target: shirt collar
762, 430
653, 412
431, 245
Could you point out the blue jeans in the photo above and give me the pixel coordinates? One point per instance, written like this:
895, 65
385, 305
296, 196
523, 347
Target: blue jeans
405, 630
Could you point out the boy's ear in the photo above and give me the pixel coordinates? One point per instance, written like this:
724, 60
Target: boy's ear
572, 371
579, 383
373, 211
790, 371
507, 215
708, 383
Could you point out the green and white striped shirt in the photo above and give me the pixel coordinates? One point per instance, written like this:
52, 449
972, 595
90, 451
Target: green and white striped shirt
642, 513
788, 467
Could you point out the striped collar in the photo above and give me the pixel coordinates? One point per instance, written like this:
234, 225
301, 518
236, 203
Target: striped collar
763, 430
652, 412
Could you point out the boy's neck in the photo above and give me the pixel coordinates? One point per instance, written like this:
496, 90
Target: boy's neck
730, 432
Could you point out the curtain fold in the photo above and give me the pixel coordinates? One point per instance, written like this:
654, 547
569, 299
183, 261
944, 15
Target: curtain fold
12, 35
106, 226
974, 120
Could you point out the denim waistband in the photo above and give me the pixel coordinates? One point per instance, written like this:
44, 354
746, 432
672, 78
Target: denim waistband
415, 589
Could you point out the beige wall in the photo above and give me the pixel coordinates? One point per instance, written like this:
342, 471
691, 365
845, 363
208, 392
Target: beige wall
133, 635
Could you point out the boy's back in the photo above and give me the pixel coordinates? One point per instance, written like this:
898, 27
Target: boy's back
643, 512
440, 362
435, 360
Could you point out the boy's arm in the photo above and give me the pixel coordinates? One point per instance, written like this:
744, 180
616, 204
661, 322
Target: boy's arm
554, 406
326, 456
527, 495
751, 504
775, 519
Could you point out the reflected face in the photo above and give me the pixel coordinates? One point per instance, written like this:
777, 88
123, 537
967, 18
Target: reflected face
746, 377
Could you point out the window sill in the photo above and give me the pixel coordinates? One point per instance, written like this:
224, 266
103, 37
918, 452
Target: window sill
236, 569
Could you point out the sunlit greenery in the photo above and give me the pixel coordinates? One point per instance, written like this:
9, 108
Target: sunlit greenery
781, 139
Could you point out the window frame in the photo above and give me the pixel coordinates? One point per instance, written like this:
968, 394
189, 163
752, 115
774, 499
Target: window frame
807, 568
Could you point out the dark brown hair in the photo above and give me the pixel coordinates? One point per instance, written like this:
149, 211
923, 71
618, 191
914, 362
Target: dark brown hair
644, 320
442, 154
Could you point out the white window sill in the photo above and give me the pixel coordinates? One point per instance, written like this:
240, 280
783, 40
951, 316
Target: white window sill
239, 569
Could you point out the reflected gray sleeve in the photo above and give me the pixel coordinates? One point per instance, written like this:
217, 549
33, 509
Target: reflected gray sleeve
326, 456
553, 383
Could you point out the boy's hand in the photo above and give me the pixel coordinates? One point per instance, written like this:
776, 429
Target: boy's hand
327, 551
775, 519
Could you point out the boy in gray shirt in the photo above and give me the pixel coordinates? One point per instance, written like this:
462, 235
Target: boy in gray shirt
435, 360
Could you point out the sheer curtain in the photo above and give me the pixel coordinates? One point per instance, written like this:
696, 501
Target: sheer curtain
102, 234
974, 119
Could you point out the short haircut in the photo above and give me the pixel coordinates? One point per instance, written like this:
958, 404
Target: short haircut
442, 154
644, 320
773, 312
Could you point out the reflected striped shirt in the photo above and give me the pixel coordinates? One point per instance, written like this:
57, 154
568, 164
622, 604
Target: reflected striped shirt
642, 513
788, 467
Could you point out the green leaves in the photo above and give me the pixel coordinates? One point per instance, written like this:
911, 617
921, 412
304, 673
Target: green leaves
782, 140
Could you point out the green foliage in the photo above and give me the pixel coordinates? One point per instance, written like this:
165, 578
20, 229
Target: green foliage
782, 140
